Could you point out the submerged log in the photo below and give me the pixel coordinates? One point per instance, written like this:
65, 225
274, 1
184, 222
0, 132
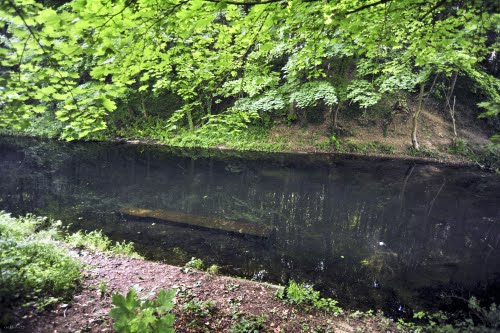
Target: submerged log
200, 221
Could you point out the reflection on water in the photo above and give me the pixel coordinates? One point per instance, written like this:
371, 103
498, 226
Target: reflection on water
367, 232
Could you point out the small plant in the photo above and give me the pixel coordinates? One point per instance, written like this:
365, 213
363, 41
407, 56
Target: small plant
304, 295
249, 324
198, 312
200, 308
132, 314
460, 147
102, 288
336, 142
485, 155
195, 263
125, 248
234, 306
213, 269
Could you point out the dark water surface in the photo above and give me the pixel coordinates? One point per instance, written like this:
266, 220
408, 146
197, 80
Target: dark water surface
370, 233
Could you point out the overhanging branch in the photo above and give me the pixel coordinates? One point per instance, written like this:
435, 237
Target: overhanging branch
263, 2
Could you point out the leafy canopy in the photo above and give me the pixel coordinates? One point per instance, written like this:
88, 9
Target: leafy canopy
81, 59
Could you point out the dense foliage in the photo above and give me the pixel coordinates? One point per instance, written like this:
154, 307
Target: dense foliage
33, 269
217, 66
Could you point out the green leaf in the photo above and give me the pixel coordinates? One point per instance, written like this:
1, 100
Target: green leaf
108, 104
165, 300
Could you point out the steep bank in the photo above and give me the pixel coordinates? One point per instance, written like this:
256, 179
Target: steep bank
365, 136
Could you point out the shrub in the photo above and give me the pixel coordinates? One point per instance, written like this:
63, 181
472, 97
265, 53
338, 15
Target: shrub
195, 263
33, 269
93, 240
213, 269
305, 296
21, 227
97, 241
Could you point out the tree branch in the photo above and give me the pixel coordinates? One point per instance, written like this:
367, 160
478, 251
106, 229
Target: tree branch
432, 9
374, 4
246, 3
50, 60
263, 2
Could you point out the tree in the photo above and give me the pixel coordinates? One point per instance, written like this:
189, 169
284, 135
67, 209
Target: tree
72, 58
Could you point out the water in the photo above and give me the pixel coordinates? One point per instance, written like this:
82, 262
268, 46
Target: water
371, 233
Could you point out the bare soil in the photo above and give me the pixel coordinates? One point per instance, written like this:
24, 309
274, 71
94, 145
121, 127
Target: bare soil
435, 133
234, 298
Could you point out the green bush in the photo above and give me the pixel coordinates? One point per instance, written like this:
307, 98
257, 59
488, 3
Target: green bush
305, 296
33, 269
97, 241
21, 227
93, 240
132, 314
213, 269
195, 263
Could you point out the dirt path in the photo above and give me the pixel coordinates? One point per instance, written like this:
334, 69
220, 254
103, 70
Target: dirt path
233, 298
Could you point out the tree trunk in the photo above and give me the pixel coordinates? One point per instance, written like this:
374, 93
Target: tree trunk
452, 114
143, 106
209, 105
414, 141
335, 114
452, 88
190, 119
292, 112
